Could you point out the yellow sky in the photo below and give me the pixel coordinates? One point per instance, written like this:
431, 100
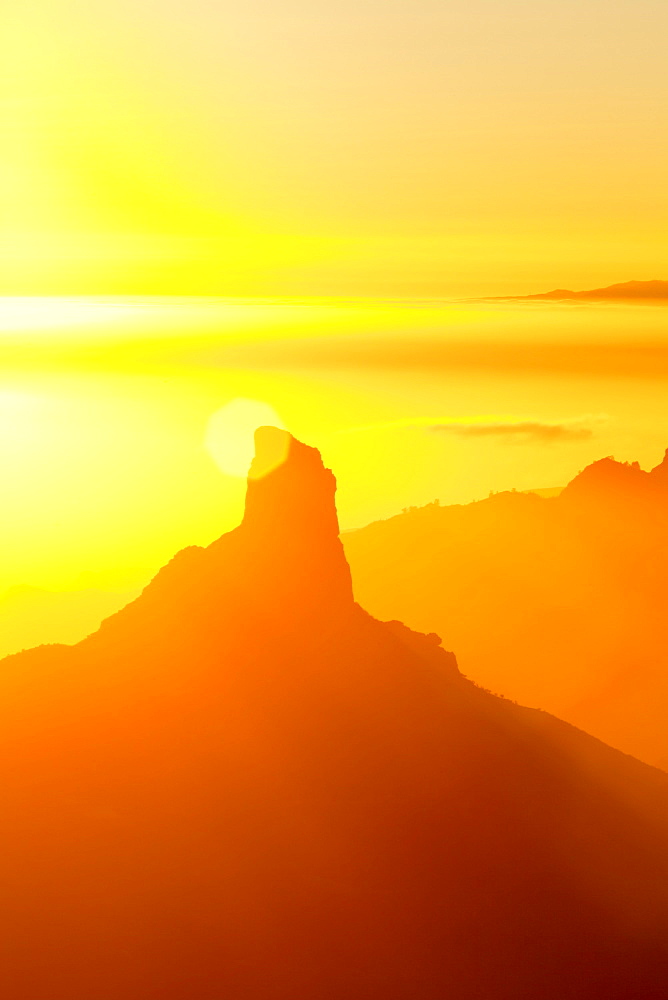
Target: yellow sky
167, 164
114, 453
310, 147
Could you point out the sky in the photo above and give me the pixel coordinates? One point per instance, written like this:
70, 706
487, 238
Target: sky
364, 147
126, 426
216, 214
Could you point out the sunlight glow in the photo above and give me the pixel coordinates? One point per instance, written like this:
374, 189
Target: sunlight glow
229, 434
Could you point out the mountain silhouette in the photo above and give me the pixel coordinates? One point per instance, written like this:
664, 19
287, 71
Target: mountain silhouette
624, 291
245, 786
556, 602
608, 480
30, 616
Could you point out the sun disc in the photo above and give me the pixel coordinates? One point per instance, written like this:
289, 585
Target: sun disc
230, 434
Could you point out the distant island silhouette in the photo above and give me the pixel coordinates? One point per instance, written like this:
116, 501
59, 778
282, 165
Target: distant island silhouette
624, 291
245, 786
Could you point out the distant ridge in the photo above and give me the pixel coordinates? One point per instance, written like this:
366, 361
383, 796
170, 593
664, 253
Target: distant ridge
578, 626
624, 291
607, 480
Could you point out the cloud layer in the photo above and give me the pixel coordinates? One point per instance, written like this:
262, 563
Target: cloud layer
526, 431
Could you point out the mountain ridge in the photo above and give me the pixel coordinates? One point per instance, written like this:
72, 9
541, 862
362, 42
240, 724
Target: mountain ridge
245, 785
588, 567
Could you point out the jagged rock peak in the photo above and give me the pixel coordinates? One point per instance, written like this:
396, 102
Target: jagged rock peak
288, 483
290, 515
274, 446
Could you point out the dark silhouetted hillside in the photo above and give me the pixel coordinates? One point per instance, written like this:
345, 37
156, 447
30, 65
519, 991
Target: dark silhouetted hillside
558, 603
244, 786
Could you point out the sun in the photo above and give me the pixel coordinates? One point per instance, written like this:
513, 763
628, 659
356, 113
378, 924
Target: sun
229, 437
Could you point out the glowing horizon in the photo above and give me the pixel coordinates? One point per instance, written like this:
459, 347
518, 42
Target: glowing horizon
106, 405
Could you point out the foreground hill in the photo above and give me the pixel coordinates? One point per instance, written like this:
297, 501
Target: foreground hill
558, 603
244, 786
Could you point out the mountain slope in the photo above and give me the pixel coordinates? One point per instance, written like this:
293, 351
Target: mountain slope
244, 786
558, 603
30, 616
